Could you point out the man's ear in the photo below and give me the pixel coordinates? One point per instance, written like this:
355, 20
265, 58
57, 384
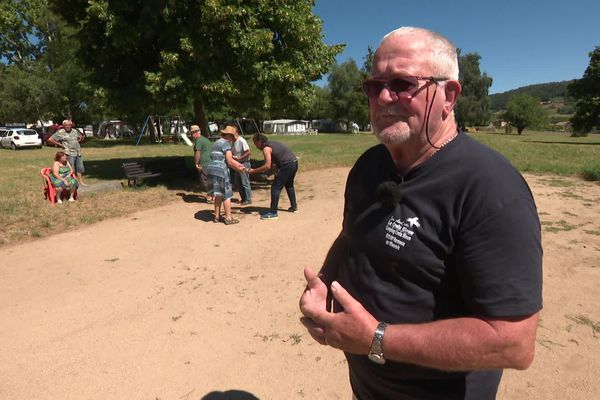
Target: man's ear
452, 90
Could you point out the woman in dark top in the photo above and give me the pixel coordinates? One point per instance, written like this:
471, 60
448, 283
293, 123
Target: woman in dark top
285, 160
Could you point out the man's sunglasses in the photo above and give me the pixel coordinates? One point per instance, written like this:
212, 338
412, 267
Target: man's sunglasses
405, 86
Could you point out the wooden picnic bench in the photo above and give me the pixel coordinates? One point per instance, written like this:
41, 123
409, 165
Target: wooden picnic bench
154, 168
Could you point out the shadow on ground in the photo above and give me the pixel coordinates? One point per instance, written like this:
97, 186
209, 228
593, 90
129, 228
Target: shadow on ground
107, 170
204, 215
111, 170
192, 198
230, 395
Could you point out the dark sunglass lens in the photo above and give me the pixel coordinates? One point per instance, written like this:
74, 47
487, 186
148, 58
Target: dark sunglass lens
400, 85
372, 88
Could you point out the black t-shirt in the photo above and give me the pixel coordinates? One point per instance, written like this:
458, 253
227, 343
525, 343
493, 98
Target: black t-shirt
280, 153
464, 240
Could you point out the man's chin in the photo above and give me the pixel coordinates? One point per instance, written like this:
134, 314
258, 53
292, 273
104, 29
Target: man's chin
393, 136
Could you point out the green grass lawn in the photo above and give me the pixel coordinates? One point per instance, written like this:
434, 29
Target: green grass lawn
548, 153
536, 152
26, 215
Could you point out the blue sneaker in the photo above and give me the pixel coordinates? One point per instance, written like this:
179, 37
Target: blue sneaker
269, 215
293, 209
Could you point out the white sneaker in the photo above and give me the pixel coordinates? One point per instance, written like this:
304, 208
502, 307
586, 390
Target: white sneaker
59, 201
71, 199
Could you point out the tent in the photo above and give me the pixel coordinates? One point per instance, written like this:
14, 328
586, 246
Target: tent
286, 126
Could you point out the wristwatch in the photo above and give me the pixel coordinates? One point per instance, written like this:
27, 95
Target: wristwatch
376, 353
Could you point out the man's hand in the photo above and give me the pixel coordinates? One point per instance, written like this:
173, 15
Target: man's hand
313, 302
350, 330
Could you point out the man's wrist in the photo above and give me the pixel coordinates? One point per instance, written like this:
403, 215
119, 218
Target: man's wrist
376, 350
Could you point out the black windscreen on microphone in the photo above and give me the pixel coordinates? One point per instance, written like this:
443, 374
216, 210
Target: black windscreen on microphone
389, 194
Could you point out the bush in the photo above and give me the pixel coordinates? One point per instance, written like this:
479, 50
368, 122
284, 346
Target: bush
578, 134
591, 173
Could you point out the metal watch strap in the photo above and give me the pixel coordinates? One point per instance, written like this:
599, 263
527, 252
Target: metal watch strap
376, 353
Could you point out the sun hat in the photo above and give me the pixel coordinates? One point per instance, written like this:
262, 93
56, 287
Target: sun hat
194, 128
229, 130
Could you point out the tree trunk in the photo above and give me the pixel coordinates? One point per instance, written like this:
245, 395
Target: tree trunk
200, 115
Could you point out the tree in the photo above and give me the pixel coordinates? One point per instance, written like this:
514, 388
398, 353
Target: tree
41, 77
154, 55
347, 100
525, 111
368, 60
473, 106
321, 104
544, 91
19, 36
586, 91
24, 93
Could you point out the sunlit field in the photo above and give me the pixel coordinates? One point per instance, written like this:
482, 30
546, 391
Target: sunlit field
26, 215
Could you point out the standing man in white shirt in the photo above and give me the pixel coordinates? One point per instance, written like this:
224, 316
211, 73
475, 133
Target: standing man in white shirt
241, 180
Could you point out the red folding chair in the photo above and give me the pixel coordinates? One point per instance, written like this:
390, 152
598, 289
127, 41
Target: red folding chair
49, 190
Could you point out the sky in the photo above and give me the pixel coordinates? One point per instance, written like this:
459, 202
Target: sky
520, 42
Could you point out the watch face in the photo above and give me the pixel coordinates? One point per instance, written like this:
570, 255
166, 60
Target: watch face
377, 358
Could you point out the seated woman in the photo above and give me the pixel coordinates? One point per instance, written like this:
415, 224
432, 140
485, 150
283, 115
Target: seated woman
62, 178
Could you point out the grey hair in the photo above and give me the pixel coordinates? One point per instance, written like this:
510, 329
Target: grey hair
443, 56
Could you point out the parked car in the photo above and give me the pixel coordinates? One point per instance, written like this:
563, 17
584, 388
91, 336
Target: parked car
16, 138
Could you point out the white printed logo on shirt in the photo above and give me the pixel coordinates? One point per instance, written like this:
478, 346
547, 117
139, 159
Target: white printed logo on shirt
398, 232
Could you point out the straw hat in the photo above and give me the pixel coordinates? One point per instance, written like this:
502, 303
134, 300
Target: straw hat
229, 130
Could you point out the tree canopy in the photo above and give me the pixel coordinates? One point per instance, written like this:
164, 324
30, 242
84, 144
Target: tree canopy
22, 37
320, 107
255, 56
543, 91
473, 106
40, 78
347, 100
525, 111
368, 60
586, 91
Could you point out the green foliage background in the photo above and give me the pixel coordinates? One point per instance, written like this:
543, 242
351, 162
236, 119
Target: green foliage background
586, 91
525, 111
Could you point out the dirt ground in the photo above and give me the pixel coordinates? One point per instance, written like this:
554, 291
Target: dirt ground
165, 304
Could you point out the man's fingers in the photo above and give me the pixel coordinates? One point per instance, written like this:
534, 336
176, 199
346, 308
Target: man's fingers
309, 274
313, 281
342, 296
316, 331
309, 323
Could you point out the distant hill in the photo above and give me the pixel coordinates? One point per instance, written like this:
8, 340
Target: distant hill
553, 95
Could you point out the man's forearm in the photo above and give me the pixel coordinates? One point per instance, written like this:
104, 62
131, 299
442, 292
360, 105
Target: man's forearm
463, 344
244, 155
